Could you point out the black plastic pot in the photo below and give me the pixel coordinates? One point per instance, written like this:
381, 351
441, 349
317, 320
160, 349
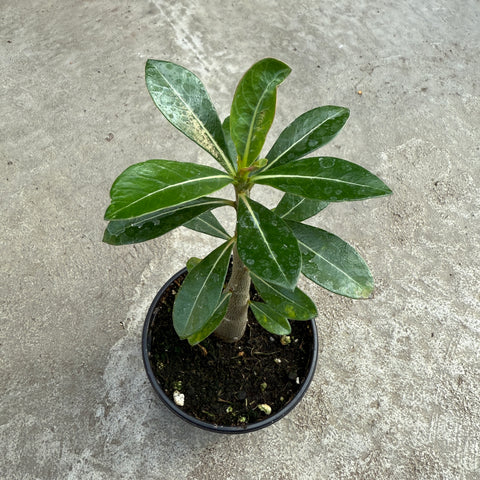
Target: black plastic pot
146, 347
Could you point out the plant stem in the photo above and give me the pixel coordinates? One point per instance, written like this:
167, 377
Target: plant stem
233, 325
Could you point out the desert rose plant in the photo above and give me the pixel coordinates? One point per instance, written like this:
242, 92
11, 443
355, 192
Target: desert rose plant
270, 247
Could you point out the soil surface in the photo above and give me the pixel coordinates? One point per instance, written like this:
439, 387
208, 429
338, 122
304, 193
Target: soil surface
229, 384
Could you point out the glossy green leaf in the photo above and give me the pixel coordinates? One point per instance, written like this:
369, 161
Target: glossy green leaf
294, 207
213, 322
295, 304
324, 178
266, 245
153, 225
307, 133
207, 223
232, 152
157, 184
270, 319
200, 292
253, 107
184, 101
332, 263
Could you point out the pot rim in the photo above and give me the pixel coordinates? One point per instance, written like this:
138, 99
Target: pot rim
146, 343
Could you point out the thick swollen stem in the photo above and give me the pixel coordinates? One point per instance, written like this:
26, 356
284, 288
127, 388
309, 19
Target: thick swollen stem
233, 325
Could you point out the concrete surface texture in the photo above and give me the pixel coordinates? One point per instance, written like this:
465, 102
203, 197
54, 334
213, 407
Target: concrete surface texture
396, 393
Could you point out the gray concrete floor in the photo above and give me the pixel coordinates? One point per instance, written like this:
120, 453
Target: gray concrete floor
396, 393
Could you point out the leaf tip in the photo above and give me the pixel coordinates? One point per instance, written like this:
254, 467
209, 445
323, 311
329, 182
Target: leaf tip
366, 292
107, 238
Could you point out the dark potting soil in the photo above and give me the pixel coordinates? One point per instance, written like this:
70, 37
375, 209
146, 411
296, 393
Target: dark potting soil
225, 383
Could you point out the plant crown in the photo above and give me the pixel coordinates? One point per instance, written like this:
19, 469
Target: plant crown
151, 198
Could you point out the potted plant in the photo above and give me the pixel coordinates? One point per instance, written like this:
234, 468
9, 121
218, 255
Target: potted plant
249, 282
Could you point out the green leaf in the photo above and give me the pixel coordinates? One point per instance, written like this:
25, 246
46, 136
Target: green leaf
253, 107
153, 225
259, 163
332, 263
208, 223
324, 178
213, 322
232, 152
294, 207
192, 262
270, 319
266, 245
157, 184
307, 133
200, 292
184, 101
295, 305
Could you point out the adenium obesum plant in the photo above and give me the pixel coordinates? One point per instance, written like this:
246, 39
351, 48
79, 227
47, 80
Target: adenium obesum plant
270, 247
